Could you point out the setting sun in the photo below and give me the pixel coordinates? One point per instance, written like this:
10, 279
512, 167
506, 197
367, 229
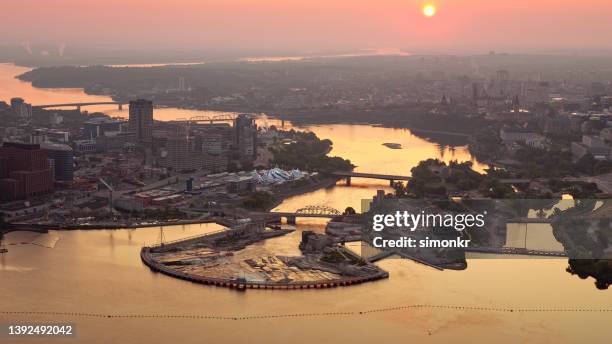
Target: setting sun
429, 10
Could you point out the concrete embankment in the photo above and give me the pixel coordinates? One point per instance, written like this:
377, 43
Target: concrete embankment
101, 226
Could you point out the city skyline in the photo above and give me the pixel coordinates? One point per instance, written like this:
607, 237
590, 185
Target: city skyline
232, 171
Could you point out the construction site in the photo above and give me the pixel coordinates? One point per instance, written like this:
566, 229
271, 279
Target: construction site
234, 258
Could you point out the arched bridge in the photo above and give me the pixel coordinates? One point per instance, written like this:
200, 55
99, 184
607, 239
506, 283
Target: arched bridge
312, 211
318, 210
209, 119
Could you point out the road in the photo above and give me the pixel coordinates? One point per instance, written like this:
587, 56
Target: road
603, 181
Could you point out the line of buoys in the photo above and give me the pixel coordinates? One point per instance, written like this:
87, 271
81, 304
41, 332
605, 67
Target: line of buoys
304, 315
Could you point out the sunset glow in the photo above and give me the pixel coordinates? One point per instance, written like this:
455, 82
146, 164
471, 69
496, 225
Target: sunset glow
429, 10
277, 27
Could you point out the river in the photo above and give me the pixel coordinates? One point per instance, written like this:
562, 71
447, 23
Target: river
100, 272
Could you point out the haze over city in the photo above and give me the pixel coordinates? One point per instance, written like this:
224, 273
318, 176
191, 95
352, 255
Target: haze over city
323, 171
467, 26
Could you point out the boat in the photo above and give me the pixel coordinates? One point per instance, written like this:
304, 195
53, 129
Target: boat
393, 145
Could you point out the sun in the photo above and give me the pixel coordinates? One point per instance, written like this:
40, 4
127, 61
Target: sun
429, 10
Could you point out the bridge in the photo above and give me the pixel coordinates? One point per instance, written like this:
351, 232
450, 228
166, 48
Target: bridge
516, 251
349, 174
392, 178
603, 181
209, 119
491, 250
311, 211
79, 105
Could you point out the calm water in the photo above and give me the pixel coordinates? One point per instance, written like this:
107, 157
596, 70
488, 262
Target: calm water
101, 272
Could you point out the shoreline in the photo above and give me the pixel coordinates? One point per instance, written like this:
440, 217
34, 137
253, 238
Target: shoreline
299, 117
325, 183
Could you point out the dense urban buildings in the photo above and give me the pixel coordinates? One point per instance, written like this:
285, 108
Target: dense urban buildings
99, 126
209, 146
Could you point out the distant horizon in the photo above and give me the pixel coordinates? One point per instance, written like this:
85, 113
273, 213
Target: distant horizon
231, 26
41, 53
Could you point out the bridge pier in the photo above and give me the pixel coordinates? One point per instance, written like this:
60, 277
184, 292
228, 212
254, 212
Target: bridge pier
291, 220
391, 181
348, 181
78, 108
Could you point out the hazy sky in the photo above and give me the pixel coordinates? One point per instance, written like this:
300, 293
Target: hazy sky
458, 26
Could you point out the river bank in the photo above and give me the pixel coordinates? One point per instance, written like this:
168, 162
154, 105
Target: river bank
325, 182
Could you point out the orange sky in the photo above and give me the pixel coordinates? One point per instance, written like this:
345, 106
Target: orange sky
459, 25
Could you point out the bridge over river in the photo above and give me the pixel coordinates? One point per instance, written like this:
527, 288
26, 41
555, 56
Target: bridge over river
517, 251
79, 105
311, 211
349, 174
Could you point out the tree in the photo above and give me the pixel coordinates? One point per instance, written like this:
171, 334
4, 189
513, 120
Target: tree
349, 211
259, 200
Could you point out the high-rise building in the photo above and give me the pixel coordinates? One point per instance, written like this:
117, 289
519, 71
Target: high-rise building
245, 137
141, 120
213, 141
62, 157
181, 155
214, 138
21, 108
25, 171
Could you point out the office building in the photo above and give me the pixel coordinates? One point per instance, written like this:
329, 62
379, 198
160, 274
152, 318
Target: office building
180, 154
25, 171
21, 108
62, 158
245, 138
141, 120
